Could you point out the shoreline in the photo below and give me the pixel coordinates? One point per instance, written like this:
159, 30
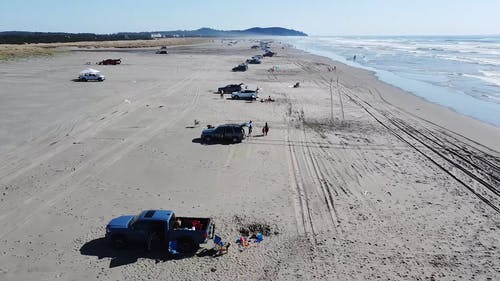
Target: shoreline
470, 127
445, 97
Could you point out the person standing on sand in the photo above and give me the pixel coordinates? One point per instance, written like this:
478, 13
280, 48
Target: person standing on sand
250, 126
265, 130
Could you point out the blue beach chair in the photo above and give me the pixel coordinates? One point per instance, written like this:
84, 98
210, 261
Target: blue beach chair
218, 241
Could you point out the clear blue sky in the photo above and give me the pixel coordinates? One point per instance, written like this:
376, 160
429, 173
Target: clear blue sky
315, 17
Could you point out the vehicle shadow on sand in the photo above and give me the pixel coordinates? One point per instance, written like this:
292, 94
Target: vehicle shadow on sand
78, 80
101, 248
200, 141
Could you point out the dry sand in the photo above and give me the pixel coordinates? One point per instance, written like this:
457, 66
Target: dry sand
402, 190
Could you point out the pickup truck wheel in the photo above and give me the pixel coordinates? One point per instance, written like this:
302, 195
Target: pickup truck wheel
208, 139
235, 140
84, 79
187, 245
119, 241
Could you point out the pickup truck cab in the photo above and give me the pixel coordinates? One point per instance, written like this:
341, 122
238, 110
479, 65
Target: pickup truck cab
230, 88
110, 62
163, 225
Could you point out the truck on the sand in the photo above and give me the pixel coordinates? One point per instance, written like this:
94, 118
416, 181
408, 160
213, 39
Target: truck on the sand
160, 225
110, 62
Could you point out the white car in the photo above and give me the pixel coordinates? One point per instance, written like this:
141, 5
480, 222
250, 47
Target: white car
245, 95
91, 75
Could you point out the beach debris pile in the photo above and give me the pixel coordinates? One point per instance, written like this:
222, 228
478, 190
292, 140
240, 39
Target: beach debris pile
252, 234
248, 229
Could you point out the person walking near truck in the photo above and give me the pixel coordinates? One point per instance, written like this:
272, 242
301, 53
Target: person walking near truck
250, 126
265, 130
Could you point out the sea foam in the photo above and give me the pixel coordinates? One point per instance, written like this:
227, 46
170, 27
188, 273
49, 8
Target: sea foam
462, 73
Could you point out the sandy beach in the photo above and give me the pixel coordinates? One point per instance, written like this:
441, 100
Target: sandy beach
401, 189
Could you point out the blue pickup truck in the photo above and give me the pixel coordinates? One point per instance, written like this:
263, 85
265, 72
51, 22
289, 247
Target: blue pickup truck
160, 225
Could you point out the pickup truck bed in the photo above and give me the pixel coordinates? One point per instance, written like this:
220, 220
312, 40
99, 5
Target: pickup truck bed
191, 232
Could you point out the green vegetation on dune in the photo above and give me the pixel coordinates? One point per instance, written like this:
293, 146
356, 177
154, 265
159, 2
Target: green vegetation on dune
16, 51
10, 52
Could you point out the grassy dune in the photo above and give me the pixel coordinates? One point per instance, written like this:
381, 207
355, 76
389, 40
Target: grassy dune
9, 52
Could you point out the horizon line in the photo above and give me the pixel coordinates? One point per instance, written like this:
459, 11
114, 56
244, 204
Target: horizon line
309, 35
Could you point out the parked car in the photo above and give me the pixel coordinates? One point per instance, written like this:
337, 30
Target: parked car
253, 61
189, 232
241, 67
269, 54
245, 95
257, 57
91, 75
228, 89
110, 62
162, 51
227, 132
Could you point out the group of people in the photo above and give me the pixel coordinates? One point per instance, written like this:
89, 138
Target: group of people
265, 129
268, 99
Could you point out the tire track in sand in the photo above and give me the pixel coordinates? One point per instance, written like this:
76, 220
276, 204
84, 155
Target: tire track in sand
313, 198
105, 158
26, 161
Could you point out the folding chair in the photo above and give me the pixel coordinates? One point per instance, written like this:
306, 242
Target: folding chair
220, 247
218, 242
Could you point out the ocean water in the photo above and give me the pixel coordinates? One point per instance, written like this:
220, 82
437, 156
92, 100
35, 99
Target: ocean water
462, 73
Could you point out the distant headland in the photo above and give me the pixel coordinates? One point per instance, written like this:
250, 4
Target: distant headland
23, 37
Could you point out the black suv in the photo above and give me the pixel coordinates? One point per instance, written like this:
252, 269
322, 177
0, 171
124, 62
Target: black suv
269, 54
230, 88
228, 132
241, 67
